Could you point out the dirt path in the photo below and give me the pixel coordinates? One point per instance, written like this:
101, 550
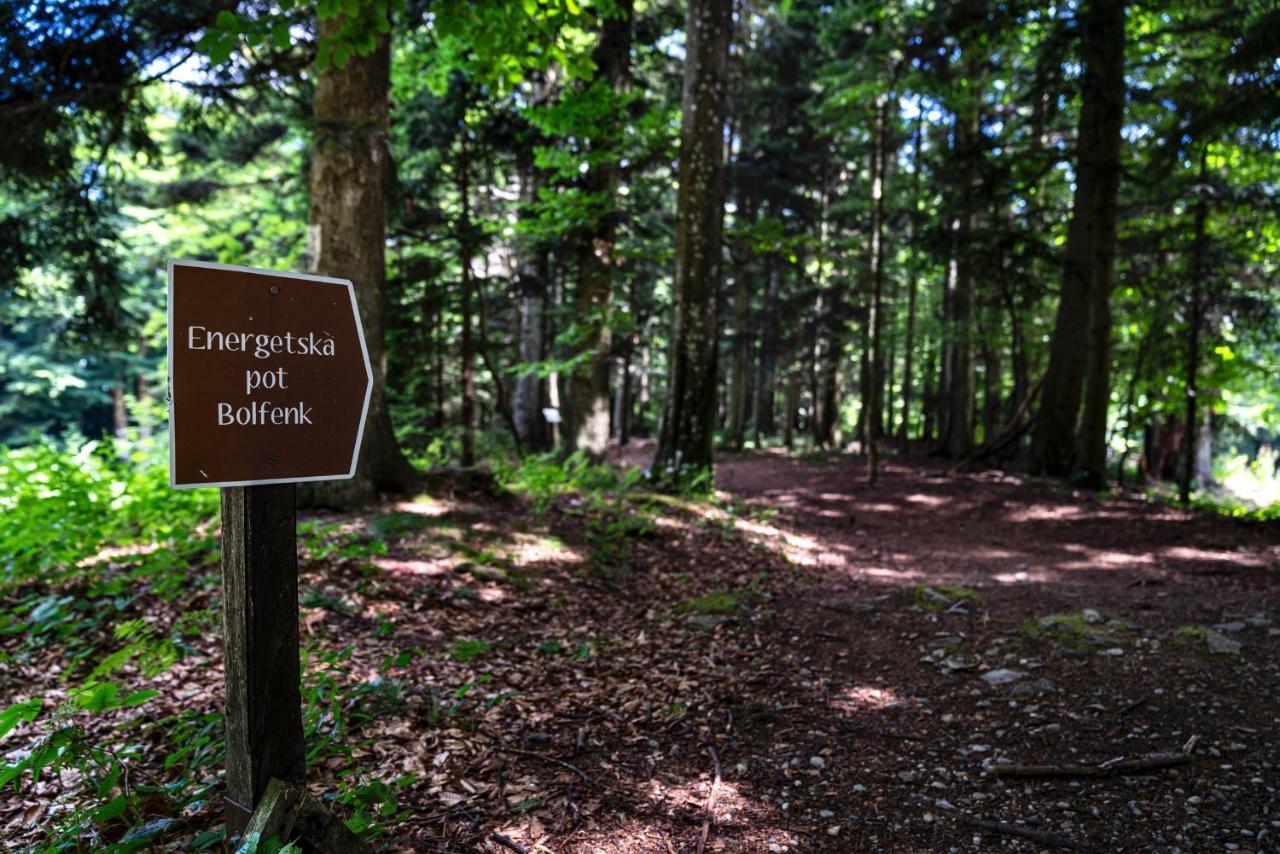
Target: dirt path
493, 675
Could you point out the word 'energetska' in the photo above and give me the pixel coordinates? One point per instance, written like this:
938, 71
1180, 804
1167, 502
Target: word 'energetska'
263, 346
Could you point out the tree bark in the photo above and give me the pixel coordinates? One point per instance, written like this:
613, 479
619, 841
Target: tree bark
589, 387
913, 286
960, 390
1187, 475
685, 441
347, 239
766, 364
532, 272
875, 418
467, 410
1081, 337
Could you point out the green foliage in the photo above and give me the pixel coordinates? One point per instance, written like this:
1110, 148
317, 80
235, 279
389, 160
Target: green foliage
545, 478
63, 504
465, 649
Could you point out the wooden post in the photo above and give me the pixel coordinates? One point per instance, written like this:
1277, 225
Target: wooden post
260, 623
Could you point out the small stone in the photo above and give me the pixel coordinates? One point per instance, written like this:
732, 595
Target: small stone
826, 814
1090, 616
908, 776
1114, 652
1230, 628
1001, 676
858, 787
1033, 688
833, 830
817, 762
1220, 645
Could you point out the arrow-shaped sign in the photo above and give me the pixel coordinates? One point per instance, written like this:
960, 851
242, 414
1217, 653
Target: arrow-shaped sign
269, 376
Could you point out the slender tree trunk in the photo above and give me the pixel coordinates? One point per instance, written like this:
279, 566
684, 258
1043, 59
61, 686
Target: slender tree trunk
960, 392
467, 345
1195, 311
790, 403
736, 432
762, 423
739, 366
913, 286
1081, 337
873, 427
685, 441
589, 386
347, 239
530, 394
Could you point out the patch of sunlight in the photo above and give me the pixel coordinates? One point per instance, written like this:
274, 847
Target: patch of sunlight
491, 593
1022, 576
1045, 513
423, 505
885, 572
412, 567
1257, 483
670, 796
531, 548
882, 507
993, 554
114, 553
927, 500
1190, 553
865, 697
673, 524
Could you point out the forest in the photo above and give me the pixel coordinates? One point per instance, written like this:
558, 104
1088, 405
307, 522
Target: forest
794, 426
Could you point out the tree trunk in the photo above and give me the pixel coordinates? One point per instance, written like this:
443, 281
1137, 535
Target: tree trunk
530, 394
466, 344
913, 285
1081, 336
1187, 475
1105, 45
766, 364
873, 427
589, 387
347, 239
736, 429
959, 410
685, 441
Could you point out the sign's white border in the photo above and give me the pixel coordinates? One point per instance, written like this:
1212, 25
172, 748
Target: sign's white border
364, 353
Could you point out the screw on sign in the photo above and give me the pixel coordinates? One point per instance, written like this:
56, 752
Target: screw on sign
269, 385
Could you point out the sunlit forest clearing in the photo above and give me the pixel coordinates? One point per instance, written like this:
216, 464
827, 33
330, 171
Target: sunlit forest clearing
773, 426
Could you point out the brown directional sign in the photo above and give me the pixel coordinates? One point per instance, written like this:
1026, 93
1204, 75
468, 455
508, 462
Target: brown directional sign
269, 376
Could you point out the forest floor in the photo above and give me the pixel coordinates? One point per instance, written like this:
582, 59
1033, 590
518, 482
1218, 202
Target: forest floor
805, 664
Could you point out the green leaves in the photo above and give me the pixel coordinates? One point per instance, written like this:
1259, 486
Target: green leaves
19, 713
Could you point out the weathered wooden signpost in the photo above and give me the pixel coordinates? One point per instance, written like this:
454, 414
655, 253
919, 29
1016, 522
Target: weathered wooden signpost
269, 385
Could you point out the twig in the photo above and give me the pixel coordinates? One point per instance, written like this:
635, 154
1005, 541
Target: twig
574, 768
507, 842
1044, 837
711, 801
1133, 706
1141, 765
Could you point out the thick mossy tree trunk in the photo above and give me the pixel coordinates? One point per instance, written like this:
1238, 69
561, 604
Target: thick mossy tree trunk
688, 420
347, 239
1082, 328
589, 386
